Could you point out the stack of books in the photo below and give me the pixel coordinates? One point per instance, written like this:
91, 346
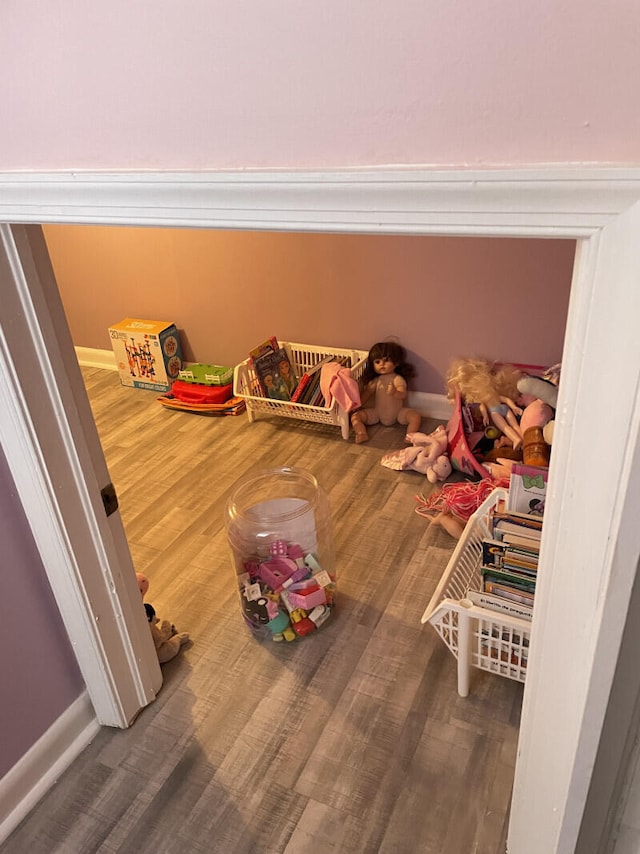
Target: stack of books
510, 564
309, 391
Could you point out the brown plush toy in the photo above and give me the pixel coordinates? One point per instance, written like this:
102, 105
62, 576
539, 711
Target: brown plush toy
167, 640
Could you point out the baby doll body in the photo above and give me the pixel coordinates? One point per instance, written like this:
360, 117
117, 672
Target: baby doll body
385, 379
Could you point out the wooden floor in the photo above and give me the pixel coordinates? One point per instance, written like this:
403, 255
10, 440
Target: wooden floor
351, 741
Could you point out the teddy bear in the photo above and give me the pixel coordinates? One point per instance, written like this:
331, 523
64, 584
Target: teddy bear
166, 639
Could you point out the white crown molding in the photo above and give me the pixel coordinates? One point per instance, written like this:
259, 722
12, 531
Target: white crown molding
33, 775
557, 201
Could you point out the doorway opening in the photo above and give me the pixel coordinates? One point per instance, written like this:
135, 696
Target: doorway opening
503, 298
602, 301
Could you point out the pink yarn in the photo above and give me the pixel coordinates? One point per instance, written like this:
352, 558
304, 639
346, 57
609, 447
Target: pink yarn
460, 499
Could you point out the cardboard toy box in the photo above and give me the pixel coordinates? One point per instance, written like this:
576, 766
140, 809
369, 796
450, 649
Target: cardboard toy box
148, 353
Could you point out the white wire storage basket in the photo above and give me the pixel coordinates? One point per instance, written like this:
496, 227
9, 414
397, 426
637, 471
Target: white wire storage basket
302, 358
477, 636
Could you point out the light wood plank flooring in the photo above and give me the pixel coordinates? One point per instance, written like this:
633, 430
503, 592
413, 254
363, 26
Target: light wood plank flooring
351, 741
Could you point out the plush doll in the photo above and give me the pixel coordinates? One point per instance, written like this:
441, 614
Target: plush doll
385, 382
541, 396
166, 639
427, 455
434, 444
435, 462
493, 387
539, 388
439, 470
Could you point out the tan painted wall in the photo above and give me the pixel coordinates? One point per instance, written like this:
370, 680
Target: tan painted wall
228, 290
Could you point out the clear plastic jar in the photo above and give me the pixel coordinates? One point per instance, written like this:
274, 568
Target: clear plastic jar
279, 532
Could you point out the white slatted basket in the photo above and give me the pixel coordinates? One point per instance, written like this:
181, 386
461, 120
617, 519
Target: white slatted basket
302, 357
477, 636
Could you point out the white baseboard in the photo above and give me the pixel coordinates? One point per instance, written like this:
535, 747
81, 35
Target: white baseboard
431, 405
428, 405
89, 357
33, 775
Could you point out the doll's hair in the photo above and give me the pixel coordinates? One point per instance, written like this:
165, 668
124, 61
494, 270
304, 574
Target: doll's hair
388, 350
479, 380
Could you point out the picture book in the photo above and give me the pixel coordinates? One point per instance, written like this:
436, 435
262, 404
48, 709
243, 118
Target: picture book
500, 604
301, 394
496, 553
508, 578
492, 552
520, 524
530, 543
522, 566
274, 370
270, 345
522, 597
302, 384
312, 388
527, 489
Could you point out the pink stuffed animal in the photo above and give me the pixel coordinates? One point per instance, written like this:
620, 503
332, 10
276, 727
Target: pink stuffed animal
427, 455
439, 470
433, 445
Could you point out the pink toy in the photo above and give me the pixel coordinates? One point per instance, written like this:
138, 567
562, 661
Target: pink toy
542, 394
433, 445
295, 553
536, 414
308, 598
278, 548
439, 470
276, 571
427, 455
300, 573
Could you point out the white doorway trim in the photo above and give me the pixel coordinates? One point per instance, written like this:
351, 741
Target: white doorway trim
592, 542
51, 445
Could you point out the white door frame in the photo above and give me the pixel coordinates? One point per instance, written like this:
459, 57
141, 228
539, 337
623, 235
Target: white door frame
592, 538
52, 448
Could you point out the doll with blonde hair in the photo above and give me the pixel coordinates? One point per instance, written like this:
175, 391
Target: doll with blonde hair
493, 387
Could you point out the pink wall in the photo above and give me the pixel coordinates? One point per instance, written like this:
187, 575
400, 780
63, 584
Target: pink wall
38, 671
228, 290
208, 84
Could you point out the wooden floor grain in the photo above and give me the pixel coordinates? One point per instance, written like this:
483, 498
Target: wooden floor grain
352, 741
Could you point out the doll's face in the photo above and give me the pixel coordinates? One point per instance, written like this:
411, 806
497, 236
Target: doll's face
384, 365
